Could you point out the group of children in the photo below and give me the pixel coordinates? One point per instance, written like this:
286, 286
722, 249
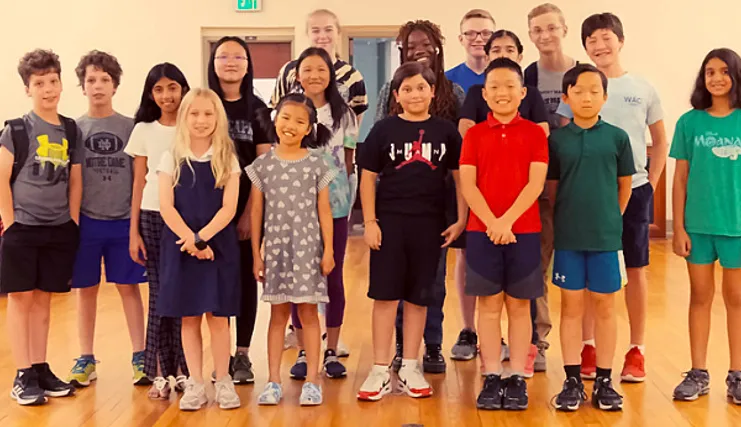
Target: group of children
206, 193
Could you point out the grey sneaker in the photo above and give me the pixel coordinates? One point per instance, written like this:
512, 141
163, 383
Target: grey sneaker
540, 363
194, 397
226, 396
696, 383
311, 395
242, 369
466, 346
733, 381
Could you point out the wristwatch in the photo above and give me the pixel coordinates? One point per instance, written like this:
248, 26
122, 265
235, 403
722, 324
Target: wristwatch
200, 243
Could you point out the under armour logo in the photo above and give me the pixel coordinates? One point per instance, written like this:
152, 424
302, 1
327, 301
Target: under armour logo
560, 278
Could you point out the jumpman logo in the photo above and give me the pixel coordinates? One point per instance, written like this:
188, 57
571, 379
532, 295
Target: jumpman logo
417, 153
560, 278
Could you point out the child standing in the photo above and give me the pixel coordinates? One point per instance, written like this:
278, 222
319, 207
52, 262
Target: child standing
591, 168
40, 198
291, 187
104, 222
707, 212
152, 136
409, 155
317, 79
503, 167
199, 188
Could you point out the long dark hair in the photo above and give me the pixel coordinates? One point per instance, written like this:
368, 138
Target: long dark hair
336, 103
701, 98
500, 34
148, 110
247, 86
319, 135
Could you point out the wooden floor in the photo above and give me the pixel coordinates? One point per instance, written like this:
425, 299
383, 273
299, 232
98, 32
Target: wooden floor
112, 401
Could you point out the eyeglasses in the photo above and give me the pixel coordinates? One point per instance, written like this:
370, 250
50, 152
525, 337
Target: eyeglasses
552, 29
471, 35
226, 58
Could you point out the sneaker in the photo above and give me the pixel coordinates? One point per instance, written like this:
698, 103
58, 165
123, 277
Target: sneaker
271, 394
540, 362
160, 389
605, 397
137, 365
342, 349
194, 396
51, 384
588, 362
733, 381
433, 361
26, 390
376, 385
696, 383
413, 383
290, 340
332, 365
82, 373
572, 395
490, 397
466, 347
515, 394
241, 368
226, 395
231, 371
179, 383
300, 368
396, 363
504, 353
634, 368
311, 395
530, 361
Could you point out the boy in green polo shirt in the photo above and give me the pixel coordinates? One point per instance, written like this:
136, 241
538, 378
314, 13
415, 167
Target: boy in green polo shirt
590, 173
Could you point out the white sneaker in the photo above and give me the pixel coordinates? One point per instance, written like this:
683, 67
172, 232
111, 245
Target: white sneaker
194, 397
271, 394
290, 340
342, 350
226, 396
376, 385
412, 382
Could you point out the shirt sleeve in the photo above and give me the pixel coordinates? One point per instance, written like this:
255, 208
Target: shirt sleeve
564, 110
468, 111
137, 145
554, 165
626, 166
369, 156
357, 93
382, 109
469, 149
254, 173
538, 111
454, 145
655, 111
6, 139
77, 152
539, 144
167, 163
350, 130
280, 85
258, 132
324, 175
679, 148
460, 94
235, 165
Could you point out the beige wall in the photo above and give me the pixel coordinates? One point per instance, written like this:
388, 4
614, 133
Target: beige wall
665, 42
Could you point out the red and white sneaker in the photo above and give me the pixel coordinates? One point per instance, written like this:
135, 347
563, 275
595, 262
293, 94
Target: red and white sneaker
589, 362
530, 362
413, 383
377, 385
634, 370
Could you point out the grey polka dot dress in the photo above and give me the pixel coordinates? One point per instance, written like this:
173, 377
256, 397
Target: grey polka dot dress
293, 238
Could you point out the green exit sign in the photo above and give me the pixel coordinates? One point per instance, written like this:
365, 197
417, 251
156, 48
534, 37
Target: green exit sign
249, 5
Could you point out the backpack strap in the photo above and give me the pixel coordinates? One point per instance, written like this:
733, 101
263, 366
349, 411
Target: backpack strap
531, 75
70, 130
20, 146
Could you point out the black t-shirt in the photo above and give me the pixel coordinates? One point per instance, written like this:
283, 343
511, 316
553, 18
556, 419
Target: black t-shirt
532, 107
246, 133
412, 160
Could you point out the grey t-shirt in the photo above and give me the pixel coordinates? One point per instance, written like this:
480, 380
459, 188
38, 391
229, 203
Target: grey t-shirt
41, 191
550, 86
107, 173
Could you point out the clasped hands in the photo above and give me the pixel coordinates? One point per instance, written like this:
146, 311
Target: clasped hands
188, 244
500, 232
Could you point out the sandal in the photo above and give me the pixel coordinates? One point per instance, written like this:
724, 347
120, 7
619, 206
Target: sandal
160, 389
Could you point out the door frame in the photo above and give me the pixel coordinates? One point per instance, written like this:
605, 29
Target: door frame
364, 31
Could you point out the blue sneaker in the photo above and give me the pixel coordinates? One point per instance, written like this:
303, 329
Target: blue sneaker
311, 395
271, 394
300, 368
332, 365
82, 373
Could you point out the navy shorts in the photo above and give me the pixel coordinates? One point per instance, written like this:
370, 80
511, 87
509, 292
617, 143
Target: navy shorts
106, 240
514, 269
577, 270
636, 220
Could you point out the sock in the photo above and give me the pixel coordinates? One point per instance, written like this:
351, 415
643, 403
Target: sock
379, 368
134, 355
604, 373
408, 363
40, 367
91, 357
573, 371
590, 342
641, 348
497, 372
704, 370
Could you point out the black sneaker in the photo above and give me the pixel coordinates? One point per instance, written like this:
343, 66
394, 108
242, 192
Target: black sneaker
696, 383
572, 395
433, 361
605, 397
396, 363
491, 394
52, 386
733, 381
300, 368
26, 390
466, 347
240, 369
515, 394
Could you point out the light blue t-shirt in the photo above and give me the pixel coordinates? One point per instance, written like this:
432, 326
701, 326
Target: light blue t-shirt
464, 76
632, 105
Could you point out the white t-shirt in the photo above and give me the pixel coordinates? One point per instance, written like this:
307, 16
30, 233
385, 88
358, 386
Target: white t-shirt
150, 140
167, 162
632, 105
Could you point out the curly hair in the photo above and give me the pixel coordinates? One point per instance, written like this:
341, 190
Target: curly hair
444, 104
102, 61
39, 62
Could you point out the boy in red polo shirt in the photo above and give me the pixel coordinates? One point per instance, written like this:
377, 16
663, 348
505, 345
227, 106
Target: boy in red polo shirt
503, 166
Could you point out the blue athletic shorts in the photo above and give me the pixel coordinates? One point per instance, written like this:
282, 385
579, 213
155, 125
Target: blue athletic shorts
597, 271
106, 240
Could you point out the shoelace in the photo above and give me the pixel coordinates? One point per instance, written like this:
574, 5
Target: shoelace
692, 376
490, 382
81, 364
572, 390
607, 389
241, 362
160, 383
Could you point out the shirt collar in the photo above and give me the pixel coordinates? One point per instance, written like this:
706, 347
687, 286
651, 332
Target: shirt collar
206, 156
578, 129
493, 122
